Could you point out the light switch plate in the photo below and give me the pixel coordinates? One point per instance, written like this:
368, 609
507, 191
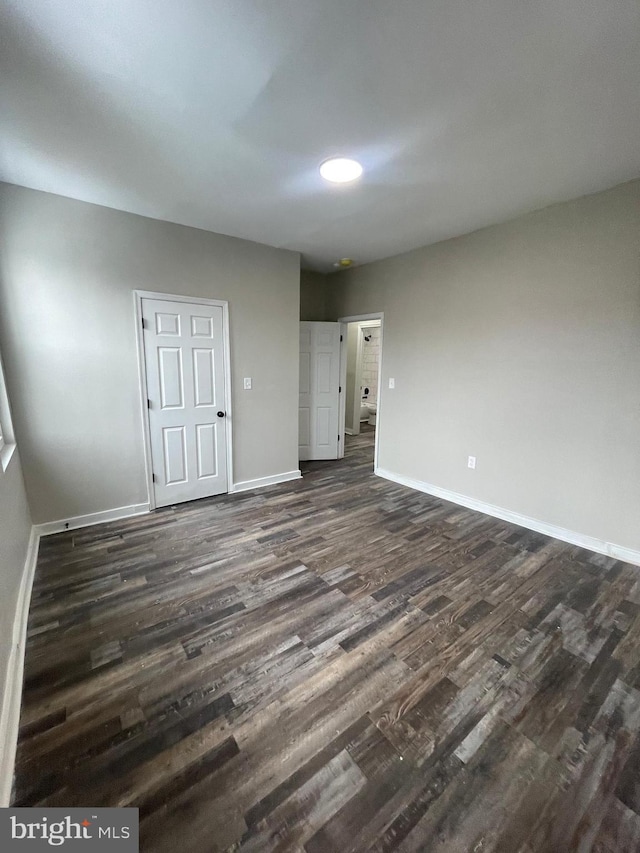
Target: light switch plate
392, 383
247, 383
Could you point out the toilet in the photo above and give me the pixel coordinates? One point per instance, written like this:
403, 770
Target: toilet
372, 408
364, 399
368, 408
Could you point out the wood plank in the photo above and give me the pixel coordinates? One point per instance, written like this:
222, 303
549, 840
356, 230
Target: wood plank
337, 663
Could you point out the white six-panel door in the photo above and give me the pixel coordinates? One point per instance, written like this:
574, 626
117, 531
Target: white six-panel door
184, 360
319, 406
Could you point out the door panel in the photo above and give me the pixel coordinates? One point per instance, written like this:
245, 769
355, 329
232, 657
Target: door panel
318, 411
304, 427
167, 324
175, 455
201, 327
206, 450
323, 424
324, 361
184, 361
171, 378
305, 372
203, 377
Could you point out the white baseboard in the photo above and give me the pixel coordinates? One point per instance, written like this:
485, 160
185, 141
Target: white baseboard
591, 543
92, 518
348, 431
247, 485
12, 692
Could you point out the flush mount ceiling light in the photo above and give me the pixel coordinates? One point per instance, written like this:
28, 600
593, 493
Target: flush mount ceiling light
343, 263
340, 170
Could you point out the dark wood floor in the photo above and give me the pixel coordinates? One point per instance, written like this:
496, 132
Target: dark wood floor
338, 664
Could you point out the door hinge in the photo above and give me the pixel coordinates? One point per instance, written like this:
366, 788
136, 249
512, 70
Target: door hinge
153, 478
340, 338
142, 321
339, 389
338, 438
148, 403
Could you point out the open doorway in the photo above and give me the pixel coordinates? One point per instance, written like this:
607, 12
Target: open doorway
362, 355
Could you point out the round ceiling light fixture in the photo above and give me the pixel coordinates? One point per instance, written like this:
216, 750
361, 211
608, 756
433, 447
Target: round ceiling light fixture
340, 170
343, 263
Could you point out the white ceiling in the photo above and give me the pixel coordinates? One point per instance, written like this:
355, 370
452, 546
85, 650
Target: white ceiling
217, 113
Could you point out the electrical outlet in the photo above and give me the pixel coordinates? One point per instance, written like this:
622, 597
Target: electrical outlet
472, 462
392, 383
247, 383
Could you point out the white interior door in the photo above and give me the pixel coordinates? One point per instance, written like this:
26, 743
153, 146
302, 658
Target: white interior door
319, 407
184, 360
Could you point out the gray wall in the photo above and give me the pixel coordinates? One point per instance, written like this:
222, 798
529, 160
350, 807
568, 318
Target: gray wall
312, 295
15, 527
519, 344
67, 273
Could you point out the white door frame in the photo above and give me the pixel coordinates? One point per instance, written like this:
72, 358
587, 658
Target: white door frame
359, 318
357, 398
342, 410
138, 296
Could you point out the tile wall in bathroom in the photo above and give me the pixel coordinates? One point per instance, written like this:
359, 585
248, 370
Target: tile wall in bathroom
371, 361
